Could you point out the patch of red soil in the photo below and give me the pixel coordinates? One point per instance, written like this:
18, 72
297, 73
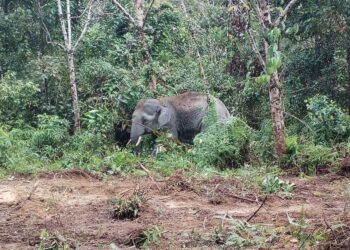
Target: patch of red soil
76, 206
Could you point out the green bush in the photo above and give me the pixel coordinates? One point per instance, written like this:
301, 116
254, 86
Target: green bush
272, 184
99, 120
17, 99
262, 143
328, 120
309, 157
119, 162
16, 154
51, 133
223, 144
5, 145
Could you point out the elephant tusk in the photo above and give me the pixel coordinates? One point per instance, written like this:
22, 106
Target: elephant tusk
129, 141
138, 141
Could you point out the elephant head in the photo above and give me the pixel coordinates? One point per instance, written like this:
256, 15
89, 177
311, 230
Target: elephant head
148, 116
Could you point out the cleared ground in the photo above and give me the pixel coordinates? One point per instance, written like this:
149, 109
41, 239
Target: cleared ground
75, 208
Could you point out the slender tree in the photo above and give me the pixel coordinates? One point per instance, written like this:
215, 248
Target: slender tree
70, 46
270, 60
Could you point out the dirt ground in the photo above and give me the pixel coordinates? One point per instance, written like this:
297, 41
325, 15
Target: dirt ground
74, 207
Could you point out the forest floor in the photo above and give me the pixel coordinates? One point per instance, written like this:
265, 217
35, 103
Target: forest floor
75, 208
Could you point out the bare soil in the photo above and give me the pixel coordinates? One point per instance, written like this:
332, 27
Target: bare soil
75, 207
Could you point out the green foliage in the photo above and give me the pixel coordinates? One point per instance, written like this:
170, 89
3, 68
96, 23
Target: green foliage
206, 49
16, 153
328, 120
223, 144
119, 162
240, 234
150, 237
171, 155
262, 143
50, 135
17, 98
301, 230
309, 157
5, 145
272, 184
49, 147
99, 120
127, 208
292, 145
52, 242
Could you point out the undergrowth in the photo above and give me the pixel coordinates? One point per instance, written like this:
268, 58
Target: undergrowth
225, 148
235, 234
300, 228
127, 208
149, 237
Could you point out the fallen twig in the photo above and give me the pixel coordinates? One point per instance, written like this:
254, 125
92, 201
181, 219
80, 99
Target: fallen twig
21, 202
149, 175
242, 198
262, 204
329, 227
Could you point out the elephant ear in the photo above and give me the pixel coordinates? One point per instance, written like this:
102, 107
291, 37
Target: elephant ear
164, 116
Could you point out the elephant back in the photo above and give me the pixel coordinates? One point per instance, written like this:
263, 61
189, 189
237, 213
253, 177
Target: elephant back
187, 102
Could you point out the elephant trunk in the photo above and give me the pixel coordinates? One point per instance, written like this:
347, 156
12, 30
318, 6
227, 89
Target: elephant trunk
137, 130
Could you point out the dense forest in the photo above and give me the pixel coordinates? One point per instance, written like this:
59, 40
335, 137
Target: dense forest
72, 72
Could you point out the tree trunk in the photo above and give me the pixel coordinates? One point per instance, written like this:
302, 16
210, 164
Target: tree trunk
348, 62
139, 20
67, 35
275, 87
139, 14
74, 92
139, 27
276, 104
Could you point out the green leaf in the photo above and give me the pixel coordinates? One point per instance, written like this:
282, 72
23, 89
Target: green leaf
263, 79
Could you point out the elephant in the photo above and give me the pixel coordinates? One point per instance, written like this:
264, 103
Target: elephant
180, 115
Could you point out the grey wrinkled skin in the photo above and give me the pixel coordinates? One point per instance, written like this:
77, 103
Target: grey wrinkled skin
181, 115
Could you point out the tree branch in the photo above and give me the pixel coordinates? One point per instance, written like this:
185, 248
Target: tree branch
256, 49
87, 22
44, 27
259, 13
121, 8
63, 24
83, 13
262, 204
145, 19
69, 25
284, 12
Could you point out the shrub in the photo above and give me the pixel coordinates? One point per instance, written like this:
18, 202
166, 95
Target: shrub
119, 162
262, 143
127, 208
99, 120
223, 144
239, 234
5, 145
17, 99
50, 135
309, 157
272, 184
15, 151
149, 237
328, 120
